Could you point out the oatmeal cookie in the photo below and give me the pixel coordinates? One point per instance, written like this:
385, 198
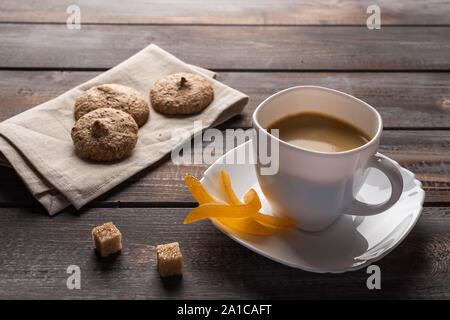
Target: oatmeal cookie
114, 96
105, 134
181, 93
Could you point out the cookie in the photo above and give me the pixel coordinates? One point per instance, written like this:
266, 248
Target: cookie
181, 93
113, 96
105, 134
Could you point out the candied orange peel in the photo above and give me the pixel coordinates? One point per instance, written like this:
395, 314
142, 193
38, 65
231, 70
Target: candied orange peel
242, 216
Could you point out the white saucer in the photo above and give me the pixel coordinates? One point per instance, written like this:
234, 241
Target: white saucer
348, 244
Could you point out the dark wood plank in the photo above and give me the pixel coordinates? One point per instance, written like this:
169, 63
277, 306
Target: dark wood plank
229, 12
405, 100
426, 153
37, 251
239, 47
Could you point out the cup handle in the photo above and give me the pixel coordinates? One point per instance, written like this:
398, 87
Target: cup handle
391, 170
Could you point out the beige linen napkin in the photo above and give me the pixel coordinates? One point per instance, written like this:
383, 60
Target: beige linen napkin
38, 145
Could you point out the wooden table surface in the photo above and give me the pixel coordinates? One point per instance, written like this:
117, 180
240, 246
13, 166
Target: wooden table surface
257, 47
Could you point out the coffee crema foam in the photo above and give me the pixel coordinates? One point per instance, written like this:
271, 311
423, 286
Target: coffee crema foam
319, 132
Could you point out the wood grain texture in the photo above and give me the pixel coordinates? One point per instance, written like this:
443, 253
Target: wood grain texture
229, 12
239, 47
405, 100
37, 251
415, 100
426, 153
259, 47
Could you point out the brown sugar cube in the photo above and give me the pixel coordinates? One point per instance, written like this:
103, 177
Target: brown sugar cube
107, 239
170, 260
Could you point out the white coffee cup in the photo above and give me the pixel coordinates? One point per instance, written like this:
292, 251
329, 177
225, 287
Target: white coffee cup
314, 187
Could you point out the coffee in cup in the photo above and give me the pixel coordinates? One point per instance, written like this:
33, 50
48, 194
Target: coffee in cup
325, 143
319, 132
